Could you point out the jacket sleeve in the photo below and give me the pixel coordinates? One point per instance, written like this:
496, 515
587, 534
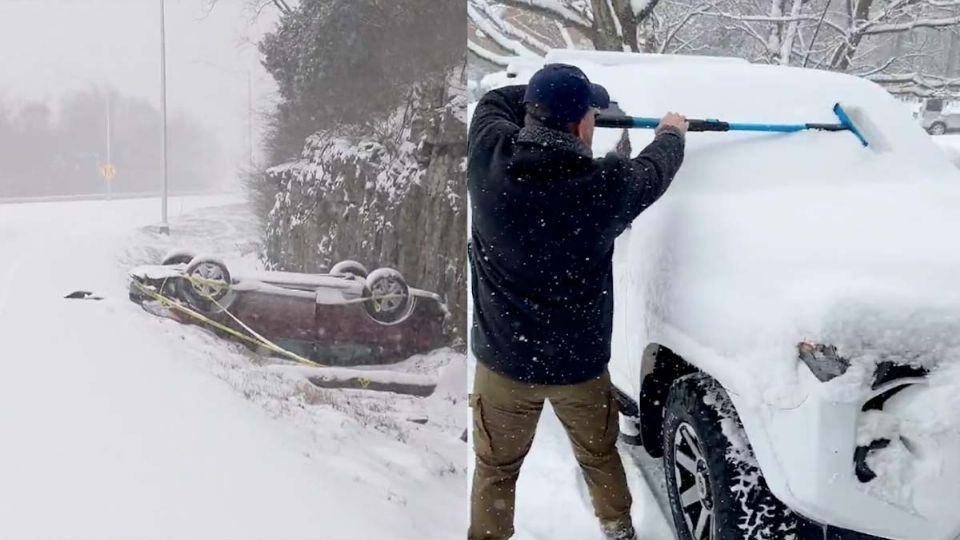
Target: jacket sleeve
635, 184
499, 111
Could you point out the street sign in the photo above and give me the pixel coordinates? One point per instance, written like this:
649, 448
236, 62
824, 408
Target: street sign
108, 171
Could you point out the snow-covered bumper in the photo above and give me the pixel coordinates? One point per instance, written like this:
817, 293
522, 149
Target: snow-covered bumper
867, 464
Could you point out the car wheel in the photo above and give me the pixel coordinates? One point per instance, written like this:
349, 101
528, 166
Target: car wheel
715, 487
177, 256
938, 128
388, 296
206, 284
343, 268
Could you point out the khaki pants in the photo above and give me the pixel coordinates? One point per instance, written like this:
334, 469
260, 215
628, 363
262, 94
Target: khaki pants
505, 415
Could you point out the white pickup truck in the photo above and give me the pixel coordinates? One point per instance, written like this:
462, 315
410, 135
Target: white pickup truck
787, 321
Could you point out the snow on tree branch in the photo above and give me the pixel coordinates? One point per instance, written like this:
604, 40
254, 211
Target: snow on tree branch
505, 28
552, 9
917, 84
489, 56
492, 27
910, 25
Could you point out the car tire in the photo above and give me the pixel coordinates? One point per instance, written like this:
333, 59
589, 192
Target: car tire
707, 472
937, 128
207, 296
343, 268
177, 256
396, 303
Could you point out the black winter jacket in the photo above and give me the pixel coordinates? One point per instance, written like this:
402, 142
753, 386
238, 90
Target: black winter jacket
545, 215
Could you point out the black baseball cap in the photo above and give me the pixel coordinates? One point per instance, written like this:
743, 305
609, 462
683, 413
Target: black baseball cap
565, 92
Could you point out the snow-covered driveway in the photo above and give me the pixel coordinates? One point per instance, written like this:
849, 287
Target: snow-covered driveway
117, 424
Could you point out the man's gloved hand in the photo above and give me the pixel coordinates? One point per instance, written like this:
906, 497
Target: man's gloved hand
673, 121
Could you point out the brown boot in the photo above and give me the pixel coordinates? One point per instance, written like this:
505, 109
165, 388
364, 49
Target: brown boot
619, 531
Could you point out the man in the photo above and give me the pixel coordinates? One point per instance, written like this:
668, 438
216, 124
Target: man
545, 217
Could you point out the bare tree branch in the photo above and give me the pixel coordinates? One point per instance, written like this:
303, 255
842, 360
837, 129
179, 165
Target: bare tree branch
552, 10
489, 26
910, 25
478, 9
491, 57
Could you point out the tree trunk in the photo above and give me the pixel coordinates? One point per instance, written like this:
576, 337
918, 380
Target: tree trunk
776, 33
629, 24
844, 55
605, 37
786, 47
950, 70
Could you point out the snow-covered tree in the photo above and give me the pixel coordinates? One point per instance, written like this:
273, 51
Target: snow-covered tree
516, 26
367, 144
910, 46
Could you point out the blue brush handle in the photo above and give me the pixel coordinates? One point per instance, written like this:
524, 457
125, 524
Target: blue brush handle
711, 125
846, 124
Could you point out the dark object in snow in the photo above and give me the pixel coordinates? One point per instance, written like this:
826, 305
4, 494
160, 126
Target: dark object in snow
545, 217
823, 360
888, 371
83, 295
715, 487
361, 383
336, 319
863, 470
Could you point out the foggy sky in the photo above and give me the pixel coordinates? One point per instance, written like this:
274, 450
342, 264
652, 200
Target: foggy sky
49, 48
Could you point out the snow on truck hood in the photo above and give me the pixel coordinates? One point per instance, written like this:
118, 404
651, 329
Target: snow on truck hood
767, 239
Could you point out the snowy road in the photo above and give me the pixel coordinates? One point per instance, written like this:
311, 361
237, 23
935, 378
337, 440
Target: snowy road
117, 424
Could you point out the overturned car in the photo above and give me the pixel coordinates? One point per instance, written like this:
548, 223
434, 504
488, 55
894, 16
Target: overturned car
345, 317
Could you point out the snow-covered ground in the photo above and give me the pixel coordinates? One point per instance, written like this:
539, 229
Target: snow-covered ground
119, 424
950, 144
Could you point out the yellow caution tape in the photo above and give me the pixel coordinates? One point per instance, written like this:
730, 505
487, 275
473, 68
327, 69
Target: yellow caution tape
254, 338
258, 340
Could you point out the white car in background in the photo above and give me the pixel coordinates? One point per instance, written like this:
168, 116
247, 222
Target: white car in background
787, 321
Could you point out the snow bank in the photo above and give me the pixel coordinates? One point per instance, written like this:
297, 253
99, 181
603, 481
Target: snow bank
950, 145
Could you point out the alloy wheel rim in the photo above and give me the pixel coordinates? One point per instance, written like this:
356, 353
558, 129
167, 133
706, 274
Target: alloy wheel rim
693, 483
390, 292
208, 273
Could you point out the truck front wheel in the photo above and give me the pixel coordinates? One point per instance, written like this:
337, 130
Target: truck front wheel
716, 489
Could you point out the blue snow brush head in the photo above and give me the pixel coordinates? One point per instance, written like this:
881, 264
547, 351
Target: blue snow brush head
857, 122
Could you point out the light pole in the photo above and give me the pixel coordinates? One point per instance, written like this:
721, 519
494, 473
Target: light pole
109, 144
164, 225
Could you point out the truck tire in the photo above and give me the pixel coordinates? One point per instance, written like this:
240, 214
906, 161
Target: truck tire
715, 487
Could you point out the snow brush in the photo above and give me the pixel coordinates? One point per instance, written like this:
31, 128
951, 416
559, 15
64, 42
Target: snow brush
850, 120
